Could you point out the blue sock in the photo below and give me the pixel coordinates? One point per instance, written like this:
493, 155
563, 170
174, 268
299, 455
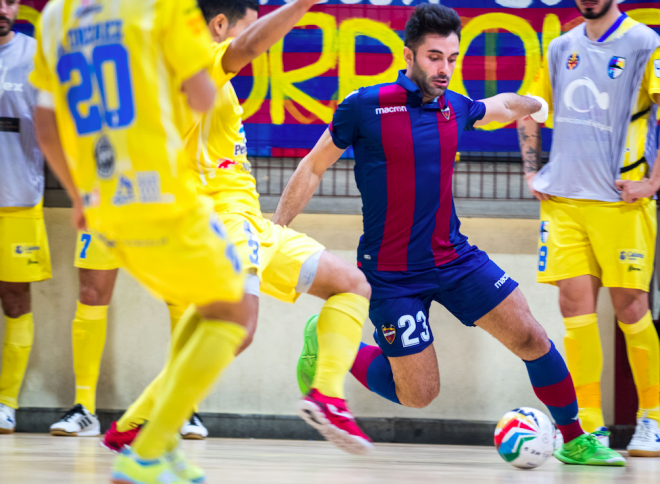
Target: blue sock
553, 385
373, 370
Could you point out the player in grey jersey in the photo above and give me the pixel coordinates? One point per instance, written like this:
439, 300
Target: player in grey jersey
24, 253
598, 215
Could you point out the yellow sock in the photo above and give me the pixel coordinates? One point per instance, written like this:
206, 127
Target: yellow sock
584, 356
176, 312
339, 330
139, 411
644, 356
89, 330
19, 335
189, 377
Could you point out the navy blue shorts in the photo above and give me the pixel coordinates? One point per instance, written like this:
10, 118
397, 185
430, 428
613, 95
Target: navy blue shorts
469, 287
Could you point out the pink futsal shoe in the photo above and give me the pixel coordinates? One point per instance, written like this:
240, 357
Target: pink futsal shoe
332, 418
115, 440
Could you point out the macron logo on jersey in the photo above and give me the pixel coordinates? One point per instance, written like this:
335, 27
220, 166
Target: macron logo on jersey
393, 109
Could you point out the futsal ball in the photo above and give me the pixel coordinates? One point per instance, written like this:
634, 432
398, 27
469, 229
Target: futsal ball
523, 437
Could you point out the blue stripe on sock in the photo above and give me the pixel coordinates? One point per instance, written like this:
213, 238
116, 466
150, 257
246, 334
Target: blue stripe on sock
564, 415
548, 369
381, 379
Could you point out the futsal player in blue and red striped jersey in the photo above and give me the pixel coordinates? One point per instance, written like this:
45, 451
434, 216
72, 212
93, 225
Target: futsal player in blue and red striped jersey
405, 135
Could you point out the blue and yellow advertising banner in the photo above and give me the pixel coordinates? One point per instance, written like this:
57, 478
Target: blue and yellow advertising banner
290, 93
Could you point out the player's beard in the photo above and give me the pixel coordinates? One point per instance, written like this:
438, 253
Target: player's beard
425, 82
593, 15
5, 29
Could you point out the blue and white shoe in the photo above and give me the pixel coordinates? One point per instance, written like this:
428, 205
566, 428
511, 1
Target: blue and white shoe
7, 419
646, 440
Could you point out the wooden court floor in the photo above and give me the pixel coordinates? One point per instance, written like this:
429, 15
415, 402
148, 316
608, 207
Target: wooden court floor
35, 458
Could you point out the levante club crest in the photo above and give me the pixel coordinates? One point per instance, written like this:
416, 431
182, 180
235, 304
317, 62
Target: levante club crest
445, 112
389, 332
573, 61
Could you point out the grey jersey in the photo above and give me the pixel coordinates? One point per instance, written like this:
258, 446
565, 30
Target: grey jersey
595, 86
21, 162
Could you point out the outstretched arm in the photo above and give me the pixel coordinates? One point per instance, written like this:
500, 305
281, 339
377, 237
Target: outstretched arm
508, 107
262, 34
529, 137
306, 179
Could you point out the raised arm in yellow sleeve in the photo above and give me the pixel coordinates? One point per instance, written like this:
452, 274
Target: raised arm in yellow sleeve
220, 77
541, 87
187, 44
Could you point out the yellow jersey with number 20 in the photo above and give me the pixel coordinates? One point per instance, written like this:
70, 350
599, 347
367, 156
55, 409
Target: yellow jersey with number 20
114, 69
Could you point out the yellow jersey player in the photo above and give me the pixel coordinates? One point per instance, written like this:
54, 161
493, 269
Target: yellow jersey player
24, 255
110, 75
598, 215
280, 261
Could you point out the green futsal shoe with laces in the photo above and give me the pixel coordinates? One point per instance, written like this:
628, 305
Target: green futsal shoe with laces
307, 363
589, 451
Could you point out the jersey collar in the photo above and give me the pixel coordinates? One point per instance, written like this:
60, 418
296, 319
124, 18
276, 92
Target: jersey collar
613, 28
415, 94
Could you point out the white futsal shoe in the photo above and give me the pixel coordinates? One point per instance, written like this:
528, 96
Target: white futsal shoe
77, 422
7, 419
194, 429
646, 440
601, 434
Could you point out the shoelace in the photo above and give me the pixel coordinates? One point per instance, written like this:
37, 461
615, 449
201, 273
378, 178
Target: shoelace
196, 420
72, 413
644, 433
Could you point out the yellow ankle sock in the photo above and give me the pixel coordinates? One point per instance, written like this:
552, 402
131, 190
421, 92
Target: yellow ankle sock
339, 330
584, 356
189, 377
19, 335
88, 337
644, 356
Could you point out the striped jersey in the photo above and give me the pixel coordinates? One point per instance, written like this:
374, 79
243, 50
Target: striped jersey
404, 163
21, 162
114, 69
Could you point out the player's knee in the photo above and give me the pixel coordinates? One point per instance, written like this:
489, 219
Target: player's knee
91, 295
533, 343
357, 284
572, 304
15, 300
421, 397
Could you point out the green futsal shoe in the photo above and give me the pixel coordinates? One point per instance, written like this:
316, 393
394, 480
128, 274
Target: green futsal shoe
307, 363
589, 451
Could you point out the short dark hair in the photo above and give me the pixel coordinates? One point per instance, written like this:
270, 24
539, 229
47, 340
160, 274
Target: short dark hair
234, 10
431, 19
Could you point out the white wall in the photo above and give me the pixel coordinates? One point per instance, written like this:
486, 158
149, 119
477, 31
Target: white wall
480, 379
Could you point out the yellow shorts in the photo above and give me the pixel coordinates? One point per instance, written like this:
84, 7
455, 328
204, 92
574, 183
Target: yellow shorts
276, 253
187, 259
91, 253
24, 252
614, 241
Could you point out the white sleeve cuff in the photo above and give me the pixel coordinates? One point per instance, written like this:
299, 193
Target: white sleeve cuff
45, 100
